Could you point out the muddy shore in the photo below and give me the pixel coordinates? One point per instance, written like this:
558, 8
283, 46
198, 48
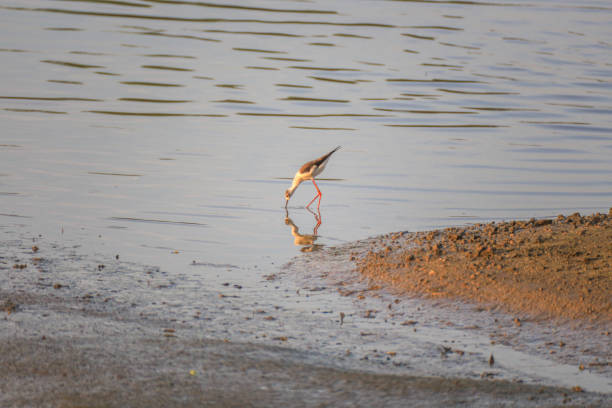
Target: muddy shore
106, 358
93, 330
548, 268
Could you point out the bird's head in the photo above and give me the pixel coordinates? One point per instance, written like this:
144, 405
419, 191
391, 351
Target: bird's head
288, 194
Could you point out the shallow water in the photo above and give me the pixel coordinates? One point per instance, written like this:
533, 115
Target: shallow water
167, 131
175, 125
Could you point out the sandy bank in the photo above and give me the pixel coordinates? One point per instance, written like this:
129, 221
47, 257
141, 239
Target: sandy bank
559, 268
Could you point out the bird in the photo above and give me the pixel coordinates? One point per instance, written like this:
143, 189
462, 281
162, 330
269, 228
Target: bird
305, 241
308, 172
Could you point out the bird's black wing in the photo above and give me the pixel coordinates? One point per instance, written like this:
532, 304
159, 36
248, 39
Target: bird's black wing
306, 168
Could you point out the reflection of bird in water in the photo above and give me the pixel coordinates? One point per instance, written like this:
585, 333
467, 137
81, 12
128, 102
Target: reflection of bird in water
306, 241
308, 172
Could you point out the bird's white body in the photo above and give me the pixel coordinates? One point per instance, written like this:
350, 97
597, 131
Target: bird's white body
309, 171
309, 175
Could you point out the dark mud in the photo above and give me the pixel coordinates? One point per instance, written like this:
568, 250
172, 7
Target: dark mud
113, 360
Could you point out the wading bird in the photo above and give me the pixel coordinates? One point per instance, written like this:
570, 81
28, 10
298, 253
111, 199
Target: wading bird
308, 172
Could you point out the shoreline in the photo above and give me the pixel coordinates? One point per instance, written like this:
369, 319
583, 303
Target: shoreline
539, 269
67, 317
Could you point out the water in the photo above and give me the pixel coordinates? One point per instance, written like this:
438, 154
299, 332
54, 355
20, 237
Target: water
168, 131
175, 125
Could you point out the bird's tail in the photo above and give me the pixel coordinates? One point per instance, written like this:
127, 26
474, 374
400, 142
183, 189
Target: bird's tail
330, 153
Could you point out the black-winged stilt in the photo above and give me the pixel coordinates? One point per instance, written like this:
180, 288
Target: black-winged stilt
308, 172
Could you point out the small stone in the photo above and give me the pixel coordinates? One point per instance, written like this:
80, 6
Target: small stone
370, 314
281, 338
9, 307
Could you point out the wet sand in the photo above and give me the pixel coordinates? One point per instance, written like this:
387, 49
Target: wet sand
72, 335
548, 268
96, 357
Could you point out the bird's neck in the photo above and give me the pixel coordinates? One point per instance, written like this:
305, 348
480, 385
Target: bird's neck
294, 185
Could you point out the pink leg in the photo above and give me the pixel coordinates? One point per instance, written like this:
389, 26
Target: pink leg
312, 201
315, 231
318, 219
317, 187
319, 195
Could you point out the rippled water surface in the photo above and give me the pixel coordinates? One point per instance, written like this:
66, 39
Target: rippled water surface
167, 131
